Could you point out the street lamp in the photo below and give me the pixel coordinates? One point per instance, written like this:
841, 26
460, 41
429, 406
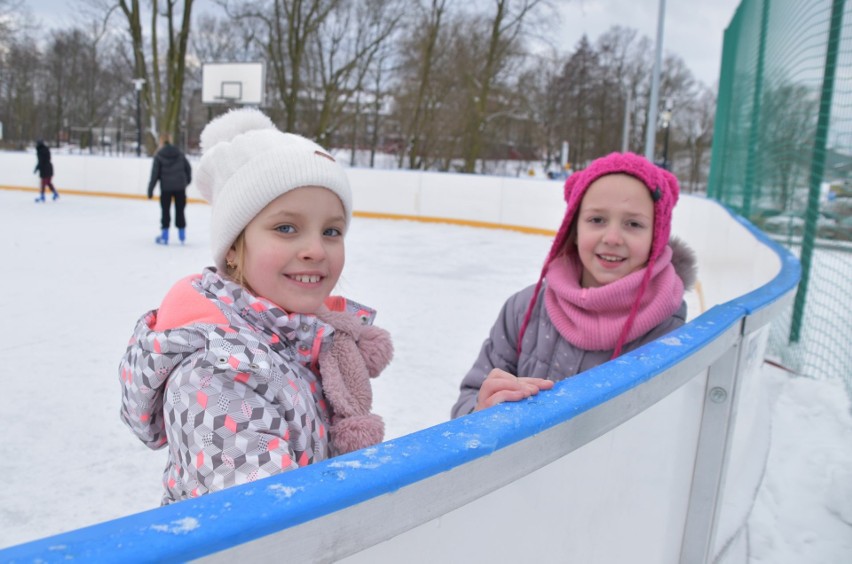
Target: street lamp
666, 118
138, 83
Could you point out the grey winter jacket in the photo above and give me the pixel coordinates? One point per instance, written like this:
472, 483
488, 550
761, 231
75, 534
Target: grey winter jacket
227, 389
544, 353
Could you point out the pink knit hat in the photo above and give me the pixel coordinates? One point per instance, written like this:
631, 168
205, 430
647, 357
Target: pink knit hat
664, 190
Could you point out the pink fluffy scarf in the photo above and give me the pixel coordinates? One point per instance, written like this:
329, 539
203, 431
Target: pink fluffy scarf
593, 318
358, 353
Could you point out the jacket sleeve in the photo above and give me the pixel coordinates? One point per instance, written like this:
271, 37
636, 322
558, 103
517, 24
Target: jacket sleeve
187, 168
155, 176
232, 428
498, 351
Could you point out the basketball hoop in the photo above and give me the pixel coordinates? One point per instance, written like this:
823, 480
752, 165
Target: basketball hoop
233, 84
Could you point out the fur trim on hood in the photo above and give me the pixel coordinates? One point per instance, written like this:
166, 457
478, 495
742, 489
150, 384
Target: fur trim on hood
684, 262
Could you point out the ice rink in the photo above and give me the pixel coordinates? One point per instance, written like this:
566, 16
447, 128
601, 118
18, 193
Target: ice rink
80, 271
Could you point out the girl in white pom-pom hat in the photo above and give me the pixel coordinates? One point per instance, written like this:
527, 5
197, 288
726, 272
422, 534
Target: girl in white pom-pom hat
252, 368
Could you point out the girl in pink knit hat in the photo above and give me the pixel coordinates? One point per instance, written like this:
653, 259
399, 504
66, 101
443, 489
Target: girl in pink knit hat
613, 281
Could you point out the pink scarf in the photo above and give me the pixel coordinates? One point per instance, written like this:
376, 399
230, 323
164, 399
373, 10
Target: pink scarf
593, 318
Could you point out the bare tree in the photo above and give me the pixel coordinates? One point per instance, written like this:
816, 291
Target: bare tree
605, 87
163, 88
82, 87
19, 58
19, 84
423, 45
696, 125
11, 19
579, 85
68, 80
460, 86
788, 114
214, 40
223, 40
677, 89
502, 43
378, 88
616, 58
288, 28
542, 102
341, 54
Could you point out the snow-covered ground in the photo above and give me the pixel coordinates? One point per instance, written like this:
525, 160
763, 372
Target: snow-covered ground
78, 273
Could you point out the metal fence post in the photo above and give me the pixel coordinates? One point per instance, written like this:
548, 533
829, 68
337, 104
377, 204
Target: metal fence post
817, 164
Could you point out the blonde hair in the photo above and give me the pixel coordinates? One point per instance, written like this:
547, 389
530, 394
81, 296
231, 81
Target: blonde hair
235, 272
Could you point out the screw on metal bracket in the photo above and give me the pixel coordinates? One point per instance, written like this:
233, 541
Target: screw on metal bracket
718, 395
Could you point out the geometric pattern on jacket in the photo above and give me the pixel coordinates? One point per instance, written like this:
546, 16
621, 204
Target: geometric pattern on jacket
232, 394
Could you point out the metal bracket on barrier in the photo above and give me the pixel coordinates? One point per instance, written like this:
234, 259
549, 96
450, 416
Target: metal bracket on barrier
717, 423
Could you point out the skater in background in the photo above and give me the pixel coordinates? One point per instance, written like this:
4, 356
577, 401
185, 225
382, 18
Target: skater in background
172, 170
44, 168
250, 369
612, 281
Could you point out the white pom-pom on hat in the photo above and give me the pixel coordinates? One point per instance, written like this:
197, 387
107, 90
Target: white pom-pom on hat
229, 125
247, 162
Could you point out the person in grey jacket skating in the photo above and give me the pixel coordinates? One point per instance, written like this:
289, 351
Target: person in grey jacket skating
613, 280
172, 170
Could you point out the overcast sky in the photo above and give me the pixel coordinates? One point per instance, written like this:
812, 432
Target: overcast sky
693, 30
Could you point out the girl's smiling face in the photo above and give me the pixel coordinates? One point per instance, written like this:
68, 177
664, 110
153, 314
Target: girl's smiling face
615, 227
293, 250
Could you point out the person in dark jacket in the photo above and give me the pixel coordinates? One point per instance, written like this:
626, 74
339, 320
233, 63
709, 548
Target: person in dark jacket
174, 174
45, 169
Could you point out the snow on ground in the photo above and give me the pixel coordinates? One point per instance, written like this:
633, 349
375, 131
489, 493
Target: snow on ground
80, 271
803, 511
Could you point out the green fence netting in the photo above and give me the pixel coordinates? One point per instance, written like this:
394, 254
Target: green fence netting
782, 157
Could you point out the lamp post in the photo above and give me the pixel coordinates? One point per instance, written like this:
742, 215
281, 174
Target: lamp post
138, 83
651, 133
666, 118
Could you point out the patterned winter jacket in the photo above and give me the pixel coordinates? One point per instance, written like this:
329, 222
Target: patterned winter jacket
227, 381
545, 354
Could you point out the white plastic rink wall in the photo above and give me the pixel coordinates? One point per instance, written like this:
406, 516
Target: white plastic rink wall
625, 463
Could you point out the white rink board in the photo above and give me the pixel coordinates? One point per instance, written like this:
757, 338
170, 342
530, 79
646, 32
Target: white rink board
594, 486
584, 504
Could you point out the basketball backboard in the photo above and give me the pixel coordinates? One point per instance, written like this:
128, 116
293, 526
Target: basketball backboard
233, 83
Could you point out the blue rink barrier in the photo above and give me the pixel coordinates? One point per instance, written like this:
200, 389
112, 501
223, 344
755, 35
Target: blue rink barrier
400, 499
626, 462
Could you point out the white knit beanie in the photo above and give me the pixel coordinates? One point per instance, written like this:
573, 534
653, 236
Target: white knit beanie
246, 163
